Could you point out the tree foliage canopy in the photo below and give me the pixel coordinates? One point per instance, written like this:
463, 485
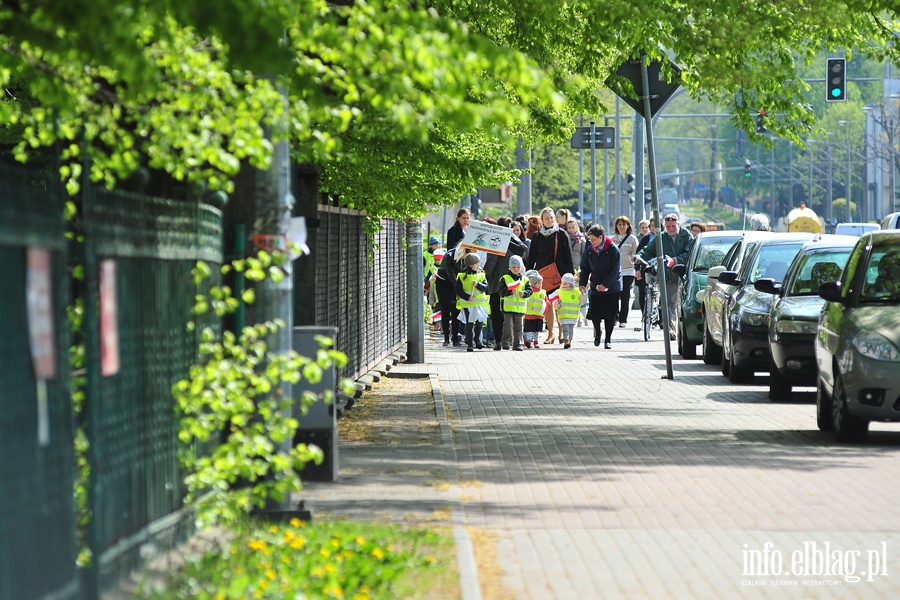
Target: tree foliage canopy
405, 105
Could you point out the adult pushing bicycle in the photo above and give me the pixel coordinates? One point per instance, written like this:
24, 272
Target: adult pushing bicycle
650, 308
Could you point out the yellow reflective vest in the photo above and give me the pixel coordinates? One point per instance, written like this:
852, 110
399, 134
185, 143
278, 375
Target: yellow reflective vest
468, 283
513, 303
535, 303
569, 303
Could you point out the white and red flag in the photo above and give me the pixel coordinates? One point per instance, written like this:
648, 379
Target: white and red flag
512, 286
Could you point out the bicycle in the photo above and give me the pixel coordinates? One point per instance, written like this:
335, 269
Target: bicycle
649, 316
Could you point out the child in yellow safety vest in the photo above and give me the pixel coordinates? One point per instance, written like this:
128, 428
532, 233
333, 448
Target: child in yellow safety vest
535, 308
568, 306
472, 300
514, 292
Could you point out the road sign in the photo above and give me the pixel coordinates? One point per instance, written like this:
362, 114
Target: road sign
660, 89
604, 138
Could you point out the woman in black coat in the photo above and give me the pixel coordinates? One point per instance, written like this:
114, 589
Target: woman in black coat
458, 229
600, 272
550, 243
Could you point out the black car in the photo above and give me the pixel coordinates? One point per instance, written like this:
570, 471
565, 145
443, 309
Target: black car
745, 337
795, 311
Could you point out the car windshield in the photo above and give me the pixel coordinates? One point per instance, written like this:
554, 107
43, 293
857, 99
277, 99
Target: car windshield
772, 262
816, 268
882, 283
710, 253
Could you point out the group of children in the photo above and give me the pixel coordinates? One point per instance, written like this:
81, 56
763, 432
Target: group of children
524, 305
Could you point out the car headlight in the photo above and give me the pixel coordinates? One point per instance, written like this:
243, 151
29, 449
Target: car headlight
754, 319
791, 326
876, 347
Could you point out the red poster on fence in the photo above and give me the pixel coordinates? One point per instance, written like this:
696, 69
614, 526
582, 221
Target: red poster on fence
39, 305
109, 320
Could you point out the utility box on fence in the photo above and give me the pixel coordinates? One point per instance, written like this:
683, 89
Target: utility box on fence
319, 425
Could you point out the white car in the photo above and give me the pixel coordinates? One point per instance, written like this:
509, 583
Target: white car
891, 221
856, 229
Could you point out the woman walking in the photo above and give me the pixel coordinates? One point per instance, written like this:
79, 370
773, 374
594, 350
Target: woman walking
458, 230
600, 275
627, 243
551, 255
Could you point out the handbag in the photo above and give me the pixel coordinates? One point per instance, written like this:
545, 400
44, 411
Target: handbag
552, 278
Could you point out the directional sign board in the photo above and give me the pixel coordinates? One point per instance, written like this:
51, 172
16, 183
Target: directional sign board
604, 138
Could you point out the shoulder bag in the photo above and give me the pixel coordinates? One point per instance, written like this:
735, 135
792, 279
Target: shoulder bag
552, 278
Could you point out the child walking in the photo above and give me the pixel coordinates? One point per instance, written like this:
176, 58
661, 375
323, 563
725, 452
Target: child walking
568, 307
472, 300
535, 309
514, 292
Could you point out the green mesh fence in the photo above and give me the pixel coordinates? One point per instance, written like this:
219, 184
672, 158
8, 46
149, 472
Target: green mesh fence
37, 522
137, 486
365, 299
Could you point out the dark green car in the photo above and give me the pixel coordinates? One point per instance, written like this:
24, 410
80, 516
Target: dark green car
708, 250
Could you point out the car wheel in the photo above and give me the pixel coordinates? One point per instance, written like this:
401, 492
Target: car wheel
688, 349
823, 408
738, 374
844, 426
779, 386
712, 354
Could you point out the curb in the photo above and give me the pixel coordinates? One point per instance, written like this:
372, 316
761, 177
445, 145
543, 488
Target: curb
470, 587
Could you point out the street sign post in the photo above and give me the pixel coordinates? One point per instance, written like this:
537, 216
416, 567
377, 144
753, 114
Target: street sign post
604, 138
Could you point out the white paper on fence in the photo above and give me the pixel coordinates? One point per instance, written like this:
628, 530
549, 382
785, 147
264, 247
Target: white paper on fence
297, 235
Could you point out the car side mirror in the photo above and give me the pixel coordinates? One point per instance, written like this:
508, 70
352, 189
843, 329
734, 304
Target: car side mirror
729, 277
767, 286
831, 291
679, 270
714, 272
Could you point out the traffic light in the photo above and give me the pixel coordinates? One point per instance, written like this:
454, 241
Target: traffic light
761, 122
648, 195
836, 80
748, 169
629, 180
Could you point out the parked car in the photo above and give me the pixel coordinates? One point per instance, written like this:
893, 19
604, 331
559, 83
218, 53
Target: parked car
891, 221
856, 229
717, 294
858, 340
795, 311
745, 340
708, 251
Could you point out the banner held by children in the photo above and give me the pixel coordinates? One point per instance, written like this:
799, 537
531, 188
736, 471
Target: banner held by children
490, 238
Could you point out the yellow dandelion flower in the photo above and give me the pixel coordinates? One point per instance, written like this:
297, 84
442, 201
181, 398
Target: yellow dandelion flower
271, 574
298, 542
325, 552
257, 594
360, 540
317, 572
365, 589
286, 560
329, 568
288, 536
335, 544
361, 597
220, 596
257, 545
295, 522
429, 559
273, 529
378, 553
263, 584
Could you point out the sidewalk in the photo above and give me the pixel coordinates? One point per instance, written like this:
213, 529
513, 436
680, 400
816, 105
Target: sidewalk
601, 480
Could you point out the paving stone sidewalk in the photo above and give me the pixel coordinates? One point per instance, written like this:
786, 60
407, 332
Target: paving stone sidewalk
601, 480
